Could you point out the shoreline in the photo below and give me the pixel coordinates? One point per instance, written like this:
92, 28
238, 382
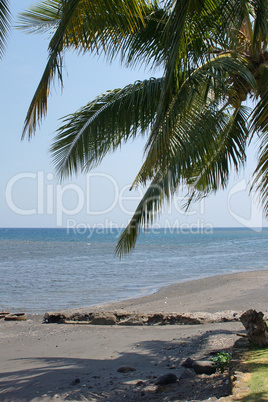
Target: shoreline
182, 289
211, 294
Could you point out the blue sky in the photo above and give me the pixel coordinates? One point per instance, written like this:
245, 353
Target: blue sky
31, 195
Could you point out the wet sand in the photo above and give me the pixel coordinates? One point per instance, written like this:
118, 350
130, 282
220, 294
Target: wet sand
47, 362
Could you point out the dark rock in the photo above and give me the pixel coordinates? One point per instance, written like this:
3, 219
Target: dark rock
187, 375
188, 363
166, 379
76, 381
125, 369
204, 367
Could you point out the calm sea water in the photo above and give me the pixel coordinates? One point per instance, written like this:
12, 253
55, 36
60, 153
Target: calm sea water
50, 269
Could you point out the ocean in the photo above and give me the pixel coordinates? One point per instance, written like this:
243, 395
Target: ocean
53, 269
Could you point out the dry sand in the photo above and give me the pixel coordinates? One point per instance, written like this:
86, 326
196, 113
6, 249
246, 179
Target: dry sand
40, 362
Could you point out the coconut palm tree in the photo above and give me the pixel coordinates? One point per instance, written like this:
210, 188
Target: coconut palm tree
4, 24
214, 56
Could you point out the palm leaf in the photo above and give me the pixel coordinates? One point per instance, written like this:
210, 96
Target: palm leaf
189, 19
260, 125
212, 171
38, 106
259, 118
145, 212
207, 146
80, 24
101, 126
261, 174
260, 35
211, 79
146, 45
5, 18
44, 17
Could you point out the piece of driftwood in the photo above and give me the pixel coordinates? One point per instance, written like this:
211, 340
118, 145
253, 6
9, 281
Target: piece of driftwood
242, 335
255, 327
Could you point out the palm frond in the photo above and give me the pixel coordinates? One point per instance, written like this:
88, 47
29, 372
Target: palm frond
146, 45
80, 24
44, 17
260, 27
38, 106
259, 117
260, 183
201, 19
149, 206
259, 124
207, 147
228, 149
208, 80
5, 18
101, 126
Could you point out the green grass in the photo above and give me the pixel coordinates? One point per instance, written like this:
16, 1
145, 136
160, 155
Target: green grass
256, 363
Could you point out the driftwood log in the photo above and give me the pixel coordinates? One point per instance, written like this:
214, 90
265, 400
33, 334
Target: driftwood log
256, 327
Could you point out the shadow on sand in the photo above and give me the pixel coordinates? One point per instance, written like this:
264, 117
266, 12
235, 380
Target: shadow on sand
62, 378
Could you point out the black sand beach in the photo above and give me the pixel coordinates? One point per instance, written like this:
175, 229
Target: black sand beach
47, 362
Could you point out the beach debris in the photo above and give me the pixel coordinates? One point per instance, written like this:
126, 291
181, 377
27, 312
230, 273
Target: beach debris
3, 314
166, 379
76, 381
54, 318
81, 318
103, 319
132, 319
125, 369
255, 326
16, 317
